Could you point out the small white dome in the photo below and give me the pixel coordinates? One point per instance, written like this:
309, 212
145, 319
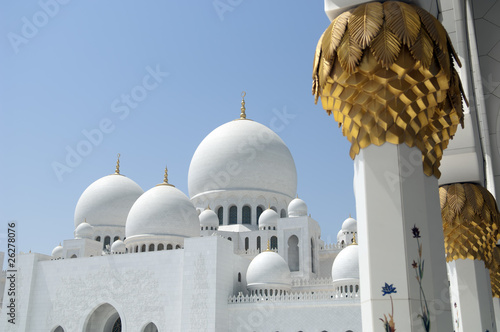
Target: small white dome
297, 208
57, 252
107, 201
162, 211
268, 218
346, 264
268, 270
208, 218
350, 225
118, 247
84, 231
339, 235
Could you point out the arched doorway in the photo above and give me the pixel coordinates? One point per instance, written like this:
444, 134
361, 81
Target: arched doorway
58, 329
104, 318
151, 327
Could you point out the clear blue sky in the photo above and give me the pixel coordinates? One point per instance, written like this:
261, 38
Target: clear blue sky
64, 73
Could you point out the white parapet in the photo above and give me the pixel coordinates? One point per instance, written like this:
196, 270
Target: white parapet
393, 198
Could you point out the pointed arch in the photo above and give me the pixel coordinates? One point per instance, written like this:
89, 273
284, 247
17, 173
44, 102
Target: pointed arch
151, 327
103, 318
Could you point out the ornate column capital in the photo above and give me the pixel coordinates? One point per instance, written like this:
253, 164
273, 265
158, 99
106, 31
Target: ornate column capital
385, 71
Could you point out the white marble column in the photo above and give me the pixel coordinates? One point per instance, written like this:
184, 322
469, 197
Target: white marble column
393, 196
472, 303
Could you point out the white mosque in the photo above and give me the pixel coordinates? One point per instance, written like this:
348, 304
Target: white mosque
243, 253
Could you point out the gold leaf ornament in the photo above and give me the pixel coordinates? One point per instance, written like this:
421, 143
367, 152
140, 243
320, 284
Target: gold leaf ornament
385, 72
471, 221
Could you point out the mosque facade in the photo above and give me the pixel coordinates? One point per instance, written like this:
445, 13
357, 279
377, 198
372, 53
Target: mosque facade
242, 252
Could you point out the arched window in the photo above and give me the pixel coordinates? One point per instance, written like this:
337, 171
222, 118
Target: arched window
143, 248
150, 328
233, 215
107, 240
274, 242
116, 238
151, 247
169, 246
274, 208
230, 239
136, 249
246, 215
247, 243
220, 214
73, 256
260, 209
177, 246
161, 246
293, 253
98, 238
283, 213
59, 329
313, 263
239, 276
258, 243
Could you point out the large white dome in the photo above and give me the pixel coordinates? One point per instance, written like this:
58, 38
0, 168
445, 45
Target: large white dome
242, 155
350, 225
268, 270
346, 264
107, 201
162, 211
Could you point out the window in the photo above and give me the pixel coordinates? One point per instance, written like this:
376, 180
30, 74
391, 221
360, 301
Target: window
233, 215
283, 213
151, 247
136, 249
258, 243
151, 327
246, 215
220, 214
143, 248
177, 246
73, 256
161, 246
260, 209
313, 263
169, 246
239, 276
274, 242
116, 238
247, 243
274, 209
107, 240
230, 239
293, 253
98, 238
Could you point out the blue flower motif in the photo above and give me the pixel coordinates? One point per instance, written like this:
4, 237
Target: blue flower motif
388, 289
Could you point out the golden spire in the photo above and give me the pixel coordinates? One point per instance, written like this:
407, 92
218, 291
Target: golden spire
208, 207
117, 170
165, 179
268, 245
242, 114
354, 239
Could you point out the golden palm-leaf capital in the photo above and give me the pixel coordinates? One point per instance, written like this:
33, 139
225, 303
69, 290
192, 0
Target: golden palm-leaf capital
386, 73
471, 222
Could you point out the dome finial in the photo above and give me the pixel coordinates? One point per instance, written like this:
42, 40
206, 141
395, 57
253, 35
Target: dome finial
165, 179
354, 239
242, 114
117, 170
268, 245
